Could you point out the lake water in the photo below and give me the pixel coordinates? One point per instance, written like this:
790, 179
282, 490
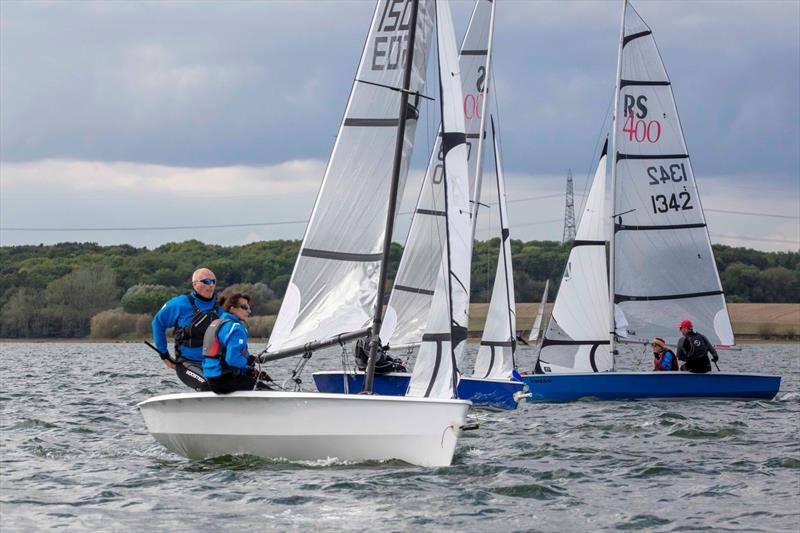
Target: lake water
76, 455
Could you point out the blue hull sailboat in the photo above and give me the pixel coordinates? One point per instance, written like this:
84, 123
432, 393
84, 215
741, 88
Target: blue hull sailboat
492, 393
662, 268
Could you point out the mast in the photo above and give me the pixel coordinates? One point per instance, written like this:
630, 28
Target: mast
476, 194
612, 325
387, 236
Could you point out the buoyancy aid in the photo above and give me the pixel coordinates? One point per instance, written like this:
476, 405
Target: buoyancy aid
657, 361
212, 346
193, 335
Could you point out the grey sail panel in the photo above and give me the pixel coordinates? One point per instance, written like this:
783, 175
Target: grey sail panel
664, 268
334, 283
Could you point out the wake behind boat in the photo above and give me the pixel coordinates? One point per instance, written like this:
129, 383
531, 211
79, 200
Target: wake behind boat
340, 274
662, 265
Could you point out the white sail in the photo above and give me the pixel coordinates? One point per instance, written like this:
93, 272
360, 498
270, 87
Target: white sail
664, 269
435, 370
577, 337
495, 357
536, 328
415, 281
334, 282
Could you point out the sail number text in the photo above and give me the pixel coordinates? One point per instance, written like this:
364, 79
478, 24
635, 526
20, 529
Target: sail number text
662, 203
662, 174
389, 52
638, 129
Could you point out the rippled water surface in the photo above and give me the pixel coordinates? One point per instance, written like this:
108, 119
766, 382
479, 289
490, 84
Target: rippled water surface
76, 454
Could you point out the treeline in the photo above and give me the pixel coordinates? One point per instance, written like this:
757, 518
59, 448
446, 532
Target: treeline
78, 289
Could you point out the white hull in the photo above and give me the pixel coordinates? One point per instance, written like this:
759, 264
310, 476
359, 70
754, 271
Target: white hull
307, 426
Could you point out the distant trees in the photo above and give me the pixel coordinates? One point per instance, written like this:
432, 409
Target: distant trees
54, 291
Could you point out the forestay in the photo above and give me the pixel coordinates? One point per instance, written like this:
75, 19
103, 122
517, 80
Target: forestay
664, 269
435, 371
495, 357
577, 337
415, 281
334, 282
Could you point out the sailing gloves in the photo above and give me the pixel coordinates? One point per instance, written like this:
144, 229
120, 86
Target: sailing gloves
164, 355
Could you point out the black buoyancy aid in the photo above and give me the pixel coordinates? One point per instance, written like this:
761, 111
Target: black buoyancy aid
212, 346
193, 335
698, 347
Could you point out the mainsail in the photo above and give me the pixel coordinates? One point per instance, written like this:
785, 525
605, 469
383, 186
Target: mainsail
495, 357
333, 286
663, 264
415, 281
435, 370
577, 338
536, 328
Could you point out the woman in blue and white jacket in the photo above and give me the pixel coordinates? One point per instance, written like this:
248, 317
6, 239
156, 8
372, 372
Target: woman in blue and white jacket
227, 363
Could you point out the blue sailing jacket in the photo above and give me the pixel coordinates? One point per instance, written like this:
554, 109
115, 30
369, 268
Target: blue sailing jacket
233, 336
178, 312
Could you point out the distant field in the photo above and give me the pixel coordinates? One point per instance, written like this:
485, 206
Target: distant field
749, 320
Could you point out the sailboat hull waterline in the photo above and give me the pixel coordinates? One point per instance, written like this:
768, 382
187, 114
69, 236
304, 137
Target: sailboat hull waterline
275, 425
482, 392
650, 386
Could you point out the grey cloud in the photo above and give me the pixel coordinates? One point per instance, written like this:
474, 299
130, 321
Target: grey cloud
258, 83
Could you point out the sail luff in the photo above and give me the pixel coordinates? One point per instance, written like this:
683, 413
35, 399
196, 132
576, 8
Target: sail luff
392, 208
614, 122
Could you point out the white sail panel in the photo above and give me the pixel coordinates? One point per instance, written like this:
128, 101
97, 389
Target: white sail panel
536, 328
495, 357
664, 268
436, 367
334, 282
577, 337
412, 294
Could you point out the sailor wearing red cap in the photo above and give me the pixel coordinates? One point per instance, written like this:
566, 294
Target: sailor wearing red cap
693, 348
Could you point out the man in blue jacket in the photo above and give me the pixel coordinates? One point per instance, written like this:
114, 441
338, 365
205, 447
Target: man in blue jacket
189, 315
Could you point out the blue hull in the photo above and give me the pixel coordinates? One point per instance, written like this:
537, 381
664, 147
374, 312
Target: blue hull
496, 393
650, 385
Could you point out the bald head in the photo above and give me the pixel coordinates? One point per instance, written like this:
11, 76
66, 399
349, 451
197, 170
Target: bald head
204, 282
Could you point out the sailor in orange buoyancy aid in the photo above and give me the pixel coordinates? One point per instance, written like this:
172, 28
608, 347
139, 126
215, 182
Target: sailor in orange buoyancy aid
227, 364
663, 358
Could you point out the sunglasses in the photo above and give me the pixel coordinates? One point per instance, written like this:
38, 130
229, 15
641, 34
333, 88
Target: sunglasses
207, 281
244, 307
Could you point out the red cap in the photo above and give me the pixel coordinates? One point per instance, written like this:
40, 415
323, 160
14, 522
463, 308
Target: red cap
686, 324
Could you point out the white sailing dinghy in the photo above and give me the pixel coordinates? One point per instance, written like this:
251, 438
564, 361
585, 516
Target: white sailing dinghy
661, 260
338, 282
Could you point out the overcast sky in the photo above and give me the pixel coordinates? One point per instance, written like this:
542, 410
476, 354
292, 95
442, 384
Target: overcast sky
165, 114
